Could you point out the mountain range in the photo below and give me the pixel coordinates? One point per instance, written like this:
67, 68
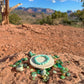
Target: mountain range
36, 10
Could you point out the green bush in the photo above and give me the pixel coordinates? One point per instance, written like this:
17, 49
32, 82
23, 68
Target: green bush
14, 19
54, 19
66, 22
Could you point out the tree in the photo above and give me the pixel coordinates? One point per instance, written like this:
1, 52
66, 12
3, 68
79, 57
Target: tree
14, 19
5, 10
59, 14
83, 3
49, 20
83, 10
55, 15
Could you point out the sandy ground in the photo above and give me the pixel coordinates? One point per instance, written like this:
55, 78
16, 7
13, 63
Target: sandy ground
17, 41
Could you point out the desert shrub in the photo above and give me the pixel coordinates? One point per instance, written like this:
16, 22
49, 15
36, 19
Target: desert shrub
14, 19
66, 22
43, 20
78, 17
49, 20
54, 19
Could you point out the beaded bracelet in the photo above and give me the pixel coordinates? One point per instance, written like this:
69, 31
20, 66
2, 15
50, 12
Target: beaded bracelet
42, 63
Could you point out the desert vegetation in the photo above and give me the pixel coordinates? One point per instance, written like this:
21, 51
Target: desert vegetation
14, 19
74, 19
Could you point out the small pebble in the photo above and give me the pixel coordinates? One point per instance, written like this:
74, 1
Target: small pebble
12, 65
47, 73
34, 74
20, 61
67, 74
54, 72
33, 78
31, 70
68, 61
27, 67
55, 66
62, 77
19, 69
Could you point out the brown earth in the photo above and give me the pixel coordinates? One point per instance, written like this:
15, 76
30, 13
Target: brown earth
17, 41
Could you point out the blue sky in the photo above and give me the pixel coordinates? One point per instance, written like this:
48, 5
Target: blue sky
59, 5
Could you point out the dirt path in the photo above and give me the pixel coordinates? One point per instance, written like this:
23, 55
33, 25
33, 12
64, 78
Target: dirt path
68, 42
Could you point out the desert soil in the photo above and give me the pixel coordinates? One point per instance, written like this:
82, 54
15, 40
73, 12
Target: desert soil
17, 41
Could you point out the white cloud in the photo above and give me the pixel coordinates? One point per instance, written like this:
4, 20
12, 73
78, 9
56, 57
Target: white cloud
31, 0
76, 0
63, 0
54, 1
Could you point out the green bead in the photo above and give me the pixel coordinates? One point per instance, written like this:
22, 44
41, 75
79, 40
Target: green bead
48, 69
14, 65
33, 78
31, 54
68, 74
59, 65
45, 78
27, 67
66, 69
68, 61
54, 72
20, 65
56, 56
62, 77
11, 65
34, 74
63, 68
31, 70
63, 71
17, 63
53, 57
59, 61
47, 73
20, 61
55, 66
38, 71
25, 59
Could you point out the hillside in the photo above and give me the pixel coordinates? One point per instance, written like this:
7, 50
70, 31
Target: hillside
27, 18
33, 15
17, 41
